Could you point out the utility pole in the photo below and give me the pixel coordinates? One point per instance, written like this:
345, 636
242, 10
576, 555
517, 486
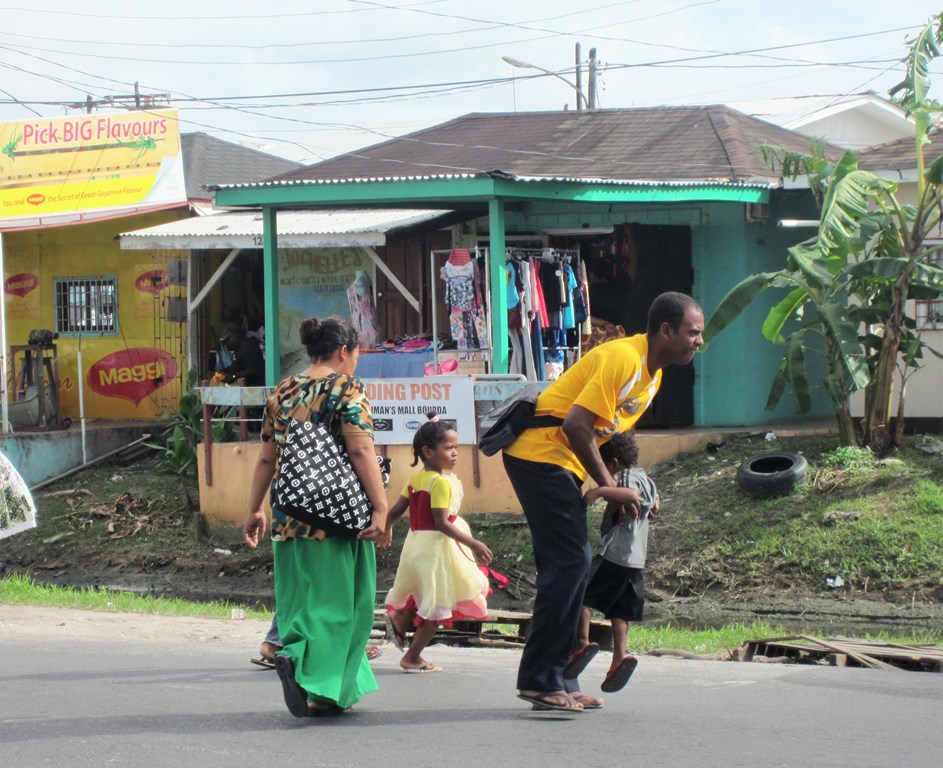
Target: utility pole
579, 79
592, 78
131, 101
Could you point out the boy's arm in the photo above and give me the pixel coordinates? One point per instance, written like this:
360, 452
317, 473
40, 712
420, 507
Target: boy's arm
624, 497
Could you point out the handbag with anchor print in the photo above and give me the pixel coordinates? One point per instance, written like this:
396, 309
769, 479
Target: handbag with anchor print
317, 484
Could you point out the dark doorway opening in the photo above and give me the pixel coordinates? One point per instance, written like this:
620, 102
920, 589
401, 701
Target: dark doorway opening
627, 270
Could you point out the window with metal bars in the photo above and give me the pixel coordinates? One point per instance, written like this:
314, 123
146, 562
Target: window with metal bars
87, 305
930, 313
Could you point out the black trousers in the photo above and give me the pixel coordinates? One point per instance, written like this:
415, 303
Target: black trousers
552, 500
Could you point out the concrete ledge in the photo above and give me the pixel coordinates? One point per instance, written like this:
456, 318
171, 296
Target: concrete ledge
41, 455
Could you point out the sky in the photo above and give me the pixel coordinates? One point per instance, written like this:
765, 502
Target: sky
311, 79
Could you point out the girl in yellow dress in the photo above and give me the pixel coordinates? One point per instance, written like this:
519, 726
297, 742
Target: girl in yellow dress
438, 578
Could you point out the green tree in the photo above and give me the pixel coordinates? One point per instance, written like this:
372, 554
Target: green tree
848, 287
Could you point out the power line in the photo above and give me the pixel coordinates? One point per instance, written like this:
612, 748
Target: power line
489, 25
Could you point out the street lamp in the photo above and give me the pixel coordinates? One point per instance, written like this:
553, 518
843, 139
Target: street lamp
580, 98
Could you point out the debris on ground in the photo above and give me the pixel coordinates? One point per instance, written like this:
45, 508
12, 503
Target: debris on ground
843, 652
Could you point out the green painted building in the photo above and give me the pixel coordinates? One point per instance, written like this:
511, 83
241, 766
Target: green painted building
683, 190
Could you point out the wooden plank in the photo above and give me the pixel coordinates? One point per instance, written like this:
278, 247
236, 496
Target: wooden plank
845, 651
862, 658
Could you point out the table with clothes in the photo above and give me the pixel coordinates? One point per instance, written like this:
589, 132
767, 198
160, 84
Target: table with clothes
406, 360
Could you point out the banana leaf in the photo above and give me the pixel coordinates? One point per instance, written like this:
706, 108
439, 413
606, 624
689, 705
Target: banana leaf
779, 315
733, 304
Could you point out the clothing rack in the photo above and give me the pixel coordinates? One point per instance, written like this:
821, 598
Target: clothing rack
542, 254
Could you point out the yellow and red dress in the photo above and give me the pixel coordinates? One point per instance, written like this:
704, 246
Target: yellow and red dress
437, 578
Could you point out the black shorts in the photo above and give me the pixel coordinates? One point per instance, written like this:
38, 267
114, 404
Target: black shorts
616, 591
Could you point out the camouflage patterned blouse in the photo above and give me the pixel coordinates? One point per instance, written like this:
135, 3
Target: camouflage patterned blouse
300, 397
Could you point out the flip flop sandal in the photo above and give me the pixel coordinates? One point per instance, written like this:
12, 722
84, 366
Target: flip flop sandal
427, 667
542, 703
374, 652
579, 661
263, 662
398, 638
295, 697
618, 677
588, 702
328, 710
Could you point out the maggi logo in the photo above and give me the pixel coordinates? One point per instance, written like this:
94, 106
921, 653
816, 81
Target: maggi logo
146, 372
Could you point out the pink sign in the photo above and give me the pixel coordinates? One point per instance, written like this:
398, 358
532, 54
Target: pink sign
132, 374
21, 284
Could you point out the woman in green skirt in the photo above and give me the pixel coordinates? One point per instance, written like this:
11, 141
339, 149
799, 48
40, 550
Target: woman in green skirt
325, 586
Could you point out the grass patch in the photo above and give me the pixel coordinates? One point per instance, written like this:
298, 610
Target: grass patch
21, 590
877, 524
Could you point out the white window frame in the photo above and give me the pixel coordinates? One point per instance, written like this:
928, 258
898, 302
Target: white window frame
929, 314
86, 305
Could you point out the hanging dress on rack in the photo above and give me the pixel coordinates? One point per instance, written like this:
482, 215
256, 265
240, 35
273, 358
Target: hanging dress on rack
363, 313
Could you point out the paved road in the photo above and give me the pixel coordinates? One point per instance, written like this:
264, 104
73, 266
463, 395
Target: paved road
136, 696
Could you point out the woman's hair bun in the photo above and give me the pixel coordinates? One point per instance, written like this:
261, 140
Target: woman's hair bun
310, 331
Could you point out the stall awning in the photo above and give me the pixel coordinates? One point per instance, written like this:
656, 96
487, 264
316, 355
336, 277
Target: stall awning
296, 229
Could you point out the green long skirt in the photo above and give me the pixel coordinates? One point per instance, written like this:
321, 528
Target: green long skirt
325, 592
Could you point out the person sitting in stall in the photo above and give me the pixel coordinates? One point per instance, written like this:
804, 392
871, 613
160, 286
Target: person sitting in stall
247, 360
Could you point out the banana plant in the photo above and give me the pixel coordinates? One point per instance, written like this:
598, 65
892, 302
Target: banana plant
849, 286
810, 320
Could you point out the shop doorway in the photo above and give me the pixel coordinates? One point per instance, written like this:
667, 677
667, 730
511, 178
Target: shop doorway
627, 269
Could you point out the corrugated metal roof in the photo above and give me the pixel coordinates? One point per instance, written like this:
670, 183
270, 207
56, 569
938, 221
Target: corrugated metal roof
737, 183
296, 229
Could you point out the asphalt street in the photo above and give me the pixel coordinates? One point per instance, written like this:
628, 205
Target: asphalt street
113, 698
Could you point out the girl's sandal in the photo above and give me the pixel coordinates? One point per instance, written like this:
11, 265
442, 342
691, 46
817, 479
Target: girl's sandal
392, 633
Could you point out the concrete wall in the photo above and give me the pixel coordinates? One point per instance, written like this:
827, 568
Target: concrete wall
224, 501
39, 456
736, 372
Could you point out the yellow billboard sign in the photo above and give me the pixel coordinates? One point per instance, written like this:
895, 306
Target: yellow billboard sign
93, 163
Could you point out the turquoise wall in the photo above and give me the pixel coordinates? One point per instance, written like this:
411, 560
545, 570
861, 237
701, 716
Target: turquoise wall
735, 373
733, 377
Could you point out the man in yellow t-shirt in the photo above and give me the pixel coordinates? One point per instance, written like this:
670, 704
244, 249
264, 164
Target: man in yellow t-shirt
603, 394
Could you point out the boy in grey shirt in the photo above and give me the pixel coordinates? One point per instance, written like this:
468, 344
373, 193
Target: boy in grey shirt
617, 587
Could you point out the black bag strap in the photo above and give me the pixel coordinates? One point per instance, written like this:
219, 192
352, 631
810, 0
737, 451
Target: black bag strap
541, 422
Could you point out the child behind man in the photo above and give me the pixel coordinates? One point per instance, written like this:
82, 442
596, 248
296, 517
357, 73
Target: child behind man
617, 586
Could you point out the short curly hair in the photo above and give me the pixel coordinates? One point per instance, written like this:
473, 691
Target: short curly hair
621, 447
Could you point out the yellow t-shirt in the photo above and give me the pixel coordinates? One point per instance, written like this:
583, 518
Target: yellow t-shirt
612, 381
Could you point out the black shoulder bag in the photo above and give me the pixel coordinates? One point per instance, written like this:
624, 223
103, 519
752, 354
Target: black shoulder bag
502, 424
316, 483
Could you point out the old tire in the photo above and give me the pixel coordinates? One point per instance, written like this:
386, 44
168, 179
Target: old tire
768, 474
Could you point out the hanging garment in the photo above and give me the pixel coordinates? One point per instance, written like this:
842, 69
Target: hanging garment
579, 302
459, 287
363, 313
539, 304
569, 310
513, 296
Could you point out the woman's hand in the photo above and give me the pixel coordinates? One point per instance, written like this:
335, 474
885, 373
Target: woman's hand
386, 538
253, 528
376, 529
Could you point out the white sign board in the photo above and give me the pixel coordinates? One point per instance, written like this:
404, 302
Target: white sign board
17, 511
400, 406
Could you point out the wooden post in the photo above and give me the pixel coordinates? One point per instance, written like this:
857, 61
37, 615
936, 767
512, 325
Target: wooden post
207, 442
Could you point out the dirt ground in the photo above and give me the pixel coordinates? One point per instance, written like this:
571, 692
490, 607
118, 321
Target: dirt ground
130, 528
